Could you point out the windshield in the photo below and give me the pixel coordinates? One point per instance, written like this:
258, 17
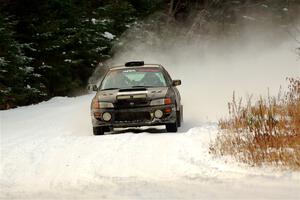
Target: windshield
131, 78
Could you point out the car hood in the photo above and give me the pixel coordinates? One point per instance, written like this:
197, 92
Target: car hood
150, 93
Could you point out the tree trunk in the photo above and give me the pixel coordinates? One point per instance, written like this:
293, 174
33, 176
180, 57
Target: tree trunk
171, 8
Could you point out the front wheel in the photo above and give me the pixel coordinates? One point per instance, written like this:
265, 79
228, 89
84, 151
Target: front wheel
172, 127
178, 118
98, 130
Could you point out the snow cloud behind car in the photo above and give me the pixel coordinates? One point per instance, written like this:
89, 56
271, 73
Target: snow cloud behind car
212, 67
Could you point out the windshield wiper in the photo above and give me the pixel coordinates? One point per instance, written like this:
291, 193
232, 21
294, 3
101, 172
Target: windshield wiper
110, 89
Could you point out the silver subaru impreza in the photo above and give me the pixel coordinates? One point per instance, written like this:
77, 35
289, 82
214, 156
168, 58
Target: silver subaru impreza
134, 95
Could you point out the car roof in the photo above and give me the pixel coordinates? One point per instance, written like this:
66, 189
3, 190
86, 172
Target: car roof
142, 66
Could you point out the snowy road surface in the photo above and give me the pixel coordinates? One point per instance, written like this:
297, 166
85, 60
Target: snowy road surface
48, 152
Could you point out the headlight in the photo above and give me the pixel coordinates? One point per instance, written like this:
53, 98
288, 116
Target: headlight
157, 102
97, 104
106, 105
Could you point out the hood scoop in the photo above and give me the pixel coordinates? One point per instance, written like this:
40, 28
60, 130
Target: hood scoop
133, 89
131, 97
132, 94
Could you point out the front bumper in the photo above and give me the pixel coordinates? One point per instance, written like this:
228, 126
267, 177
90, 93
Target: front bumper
129, 122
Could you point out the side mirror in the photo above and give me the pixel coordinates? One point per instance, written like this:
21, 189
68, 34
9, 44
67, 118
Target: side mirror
176, 82
92, 87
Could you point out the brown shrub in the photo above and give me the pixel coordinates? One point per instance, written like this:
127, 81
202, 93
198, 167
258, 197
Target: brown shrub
266, 132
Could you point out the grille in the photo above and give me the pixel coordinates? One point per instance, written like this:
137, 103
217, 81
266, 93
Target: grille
132, 116
127, 103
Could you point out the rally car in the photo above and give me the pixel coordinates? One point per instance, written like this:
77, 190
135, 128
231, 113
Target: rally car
136, 94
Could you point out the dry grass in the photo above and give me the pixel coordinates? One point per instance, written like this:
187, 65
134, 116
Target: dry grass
266, 132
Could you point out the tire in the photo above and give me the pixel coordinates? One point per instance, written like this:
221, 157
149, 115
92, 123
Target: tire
172, 127
98, 131
106, 129
178, 117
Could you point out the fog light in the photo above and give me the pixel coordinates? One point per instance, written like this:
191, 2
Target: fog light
106, 116
158, 114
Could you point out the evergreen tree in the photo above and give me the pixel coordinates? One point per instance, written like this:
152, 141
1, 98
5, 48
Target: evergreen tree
51, 47
16, 73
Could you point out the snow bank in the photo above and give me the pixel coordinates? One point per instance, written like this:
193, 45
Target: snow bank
48, 152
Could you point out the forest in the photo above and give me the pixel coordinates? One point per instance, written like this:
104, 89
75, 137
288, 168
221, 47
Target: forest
51, 47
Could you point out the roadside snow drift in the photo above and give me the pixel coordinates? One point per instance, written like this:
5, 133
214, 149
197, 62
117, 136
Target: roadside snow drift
48, 152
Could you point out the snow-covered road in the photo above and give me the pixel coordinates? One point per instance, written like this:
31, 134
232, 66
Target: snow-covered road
48, 152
